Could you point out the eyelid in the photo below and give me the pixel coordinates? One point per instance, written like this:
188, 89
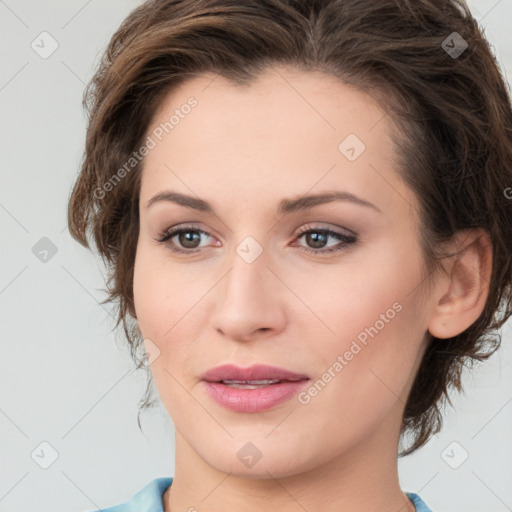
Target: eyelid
345, 241
326, 227
167, 234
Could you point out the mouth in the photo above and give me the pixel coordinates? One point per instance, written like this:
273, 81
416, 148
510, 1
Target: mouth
252, 384
252, 389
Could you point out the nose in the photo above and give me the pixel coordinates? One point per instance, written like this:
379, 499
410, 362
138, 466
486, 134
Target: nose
250, 300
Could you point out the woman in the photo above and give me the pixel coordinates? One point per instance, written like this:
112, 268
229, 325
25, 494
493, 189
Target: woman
304, 209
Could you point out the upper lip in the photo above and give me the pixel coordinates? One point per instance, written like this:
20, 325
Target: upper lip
251, 373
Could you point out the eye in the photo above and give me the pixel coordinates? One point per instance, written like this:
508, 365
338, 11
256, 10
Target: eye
189, 238
317, 239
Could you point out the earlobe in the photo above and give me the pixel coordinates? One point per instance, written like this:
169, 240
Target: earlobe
464, 290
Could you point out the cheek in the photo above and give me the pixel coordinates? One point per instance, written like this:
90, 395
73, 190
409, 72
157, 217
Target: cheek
164, 299
352, 295
148, 286
171, 306
375, 322
161, 293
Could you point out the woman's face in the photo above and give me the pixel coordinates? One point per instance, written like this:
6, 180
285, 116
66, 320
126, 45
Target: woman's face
255, 278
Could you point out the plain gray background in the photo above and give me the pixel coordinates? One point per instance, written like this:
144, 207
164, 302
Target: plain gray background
66, 378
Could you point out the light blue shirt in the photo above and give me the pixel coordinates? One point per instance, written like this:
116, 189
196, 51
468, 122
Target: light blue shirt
149, 499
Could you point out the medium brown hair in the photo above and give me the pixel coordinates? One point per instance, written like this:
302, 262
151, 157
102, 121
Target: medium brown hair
454, 142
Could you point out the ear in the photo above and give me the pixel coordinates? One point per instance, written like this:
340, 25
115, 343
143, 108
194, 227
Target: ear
462, 292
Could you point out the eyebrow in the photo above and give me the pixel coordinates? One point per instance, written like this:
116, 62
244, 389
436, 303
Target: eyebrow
285, 206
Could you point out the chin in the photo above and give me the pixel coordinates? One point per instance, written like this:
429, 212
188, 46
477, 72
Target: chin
259, 459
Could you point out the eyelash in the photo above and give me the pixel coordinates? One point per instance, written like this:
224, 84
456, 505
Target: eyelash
345, 240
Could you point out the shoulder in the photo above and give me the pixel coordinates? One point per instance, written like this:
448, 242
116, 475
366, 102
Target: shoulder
420, 505
148, 499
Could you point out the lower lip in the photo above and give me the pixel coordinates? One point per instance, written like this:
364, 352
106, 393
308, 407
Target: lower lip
253, 400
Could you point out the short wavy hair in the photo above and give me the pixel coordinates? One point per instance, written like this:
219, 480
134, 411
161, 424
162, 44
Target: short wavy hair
450, 103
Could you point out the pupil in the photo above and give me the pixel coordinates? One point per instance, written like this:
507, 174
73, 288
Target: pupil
185, 238
317, 238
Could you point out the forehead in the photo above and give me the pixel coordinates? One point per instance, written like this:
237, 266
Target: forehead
287, 130
320, 99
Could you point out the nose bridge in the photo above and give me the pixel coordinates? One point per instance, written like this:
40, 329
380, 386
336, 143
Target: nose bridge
247, 278
249, 299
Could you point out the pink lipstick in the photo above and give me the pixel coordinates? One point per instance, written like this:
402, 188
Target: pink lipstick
253, 389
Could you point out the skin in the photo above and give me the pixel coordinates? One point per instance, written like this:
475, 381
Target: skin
243, 150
